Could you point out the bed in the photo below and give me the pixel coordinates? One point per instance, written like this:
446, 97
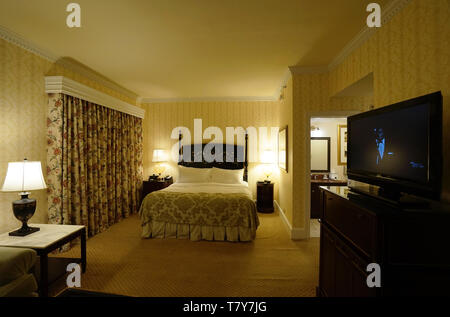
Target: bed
210, 200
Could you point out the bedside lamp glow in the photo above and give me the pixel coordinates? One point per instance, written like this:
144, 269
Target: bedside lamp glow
22, 177
159, 156
268, 157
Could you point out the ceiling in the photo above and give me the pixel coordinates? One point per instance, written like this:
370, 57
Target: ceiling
181, 49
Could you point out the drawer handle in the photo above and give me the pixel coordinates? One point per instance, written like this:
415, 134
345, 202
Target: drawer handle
330, 198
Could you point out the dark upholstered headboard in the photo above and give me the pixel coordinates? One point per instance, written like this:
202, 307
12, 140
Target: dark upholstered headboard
233, 156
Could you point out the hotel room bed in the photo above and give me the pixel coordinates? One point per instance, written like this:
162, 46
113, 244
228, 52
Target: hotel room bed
200, 211
210, 200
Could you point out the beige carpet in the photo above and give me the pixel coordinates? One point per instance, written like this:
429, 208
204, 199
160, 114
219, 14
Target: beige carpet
120, 262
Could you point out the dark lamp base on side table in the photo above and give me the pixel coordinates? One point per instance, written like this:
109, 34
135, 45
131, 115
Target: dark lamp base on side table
23, 210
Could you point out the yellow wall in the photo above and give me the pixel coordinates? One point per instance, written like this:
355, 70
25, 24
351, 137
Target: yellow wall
285, 119
23, 117
161, 118
409, 57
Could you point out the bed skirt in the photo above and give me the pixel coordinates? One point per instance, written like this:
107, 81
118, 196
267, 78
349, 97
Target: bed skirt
156, 229
199, 216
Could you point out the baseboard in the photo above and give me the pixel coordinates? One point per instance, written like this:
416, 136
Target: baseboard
299, 234
283, 217
295, 233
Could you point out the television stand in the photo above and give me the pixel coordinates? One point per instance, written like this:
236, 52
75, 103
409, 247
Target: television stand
394, 198
411, 247
391, 195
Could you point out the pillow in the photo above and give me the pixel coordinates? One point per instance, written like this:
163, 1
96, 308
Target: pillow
193, 175
223, 176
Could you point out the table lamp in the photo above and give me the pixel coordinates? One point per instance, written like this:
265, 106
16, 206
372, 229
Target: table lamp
159, 156
21, 177
267, 158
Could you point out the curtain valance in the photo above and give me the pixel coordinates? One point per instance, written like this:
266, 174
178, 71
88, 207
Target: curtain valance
69, 87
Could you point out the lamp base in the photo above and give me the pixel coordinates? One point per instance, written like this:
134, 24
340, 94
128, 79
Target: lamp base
23, 233
23, 210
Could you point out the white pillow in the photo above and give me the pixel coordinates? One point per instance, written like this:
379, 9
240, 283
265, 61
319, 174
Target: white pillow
193, 175
223, 176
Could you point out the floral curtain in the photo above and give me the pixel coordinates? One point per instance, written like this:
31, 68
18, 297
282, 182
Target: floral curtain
94, 163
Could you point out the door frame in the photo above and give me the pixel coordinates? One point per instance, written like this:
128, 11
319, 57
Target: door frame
307, 179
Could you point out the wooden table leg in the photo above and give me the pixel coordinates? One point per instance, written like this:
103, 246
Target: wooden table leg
83, 250
43, 283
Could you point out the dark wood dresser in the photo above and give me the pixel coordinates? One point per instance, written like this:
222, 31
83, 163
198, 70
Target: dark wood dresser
411, 246
315, 193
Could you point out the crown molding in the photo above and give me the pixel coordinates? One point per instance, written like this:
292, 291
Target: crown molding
210, 99
284, 80
394, 7
308, 70
29, 46
17, 40
67, 86
356, 42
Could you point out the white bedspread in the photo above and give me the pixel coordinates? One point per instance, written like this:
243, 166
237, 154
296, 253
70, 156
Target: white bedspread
209, 188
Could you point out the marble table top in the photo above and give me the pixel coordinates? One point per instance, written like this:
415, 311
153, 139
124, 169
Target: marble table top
47, 235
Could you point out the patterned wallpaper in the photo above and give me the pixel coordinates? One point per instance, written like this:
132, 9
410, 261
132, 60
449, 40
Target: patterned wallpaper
285, 119
409, 57
161, 118
23, 112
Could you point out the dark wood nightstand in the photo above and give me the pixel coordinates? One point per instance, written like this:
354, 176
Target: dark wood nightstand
154, 185
264, 197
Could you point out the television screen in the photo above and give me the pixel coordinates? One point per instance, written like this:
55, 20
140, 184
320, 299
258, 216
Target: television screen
393, 144
399, 147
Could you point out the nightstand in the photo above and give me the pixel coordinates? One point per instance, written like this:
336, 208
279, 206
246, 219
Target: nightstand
154, 185
264, 197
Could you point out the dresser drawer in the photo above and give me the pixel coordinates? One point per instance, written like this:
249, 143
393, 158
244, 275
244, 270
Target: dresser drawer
342, 272
354, 223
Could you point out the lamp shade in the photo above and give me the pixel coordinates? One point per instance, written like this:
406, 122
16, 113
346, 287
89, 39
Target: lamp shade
267, 157
23, 176
159, 156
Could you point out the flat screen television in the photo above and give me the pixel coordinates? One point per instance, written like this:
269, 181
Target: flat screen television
398, 147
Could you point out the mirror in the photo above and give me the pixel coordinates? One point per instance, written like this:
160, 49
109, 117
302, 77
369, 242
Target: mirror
283, 149
320, 155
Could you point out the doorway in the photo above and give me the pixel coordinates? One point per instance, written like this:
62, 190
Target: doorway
328, 161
